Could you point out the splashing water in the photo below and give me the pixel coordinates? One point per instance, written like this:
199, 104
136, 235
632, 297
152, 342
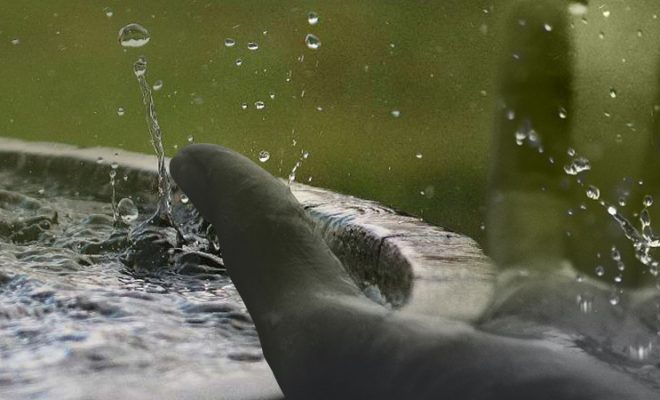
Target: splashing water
164, 211
292, 175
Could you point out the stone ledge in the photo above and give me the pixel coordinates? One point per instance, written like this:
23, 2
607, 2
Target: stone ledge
417, 267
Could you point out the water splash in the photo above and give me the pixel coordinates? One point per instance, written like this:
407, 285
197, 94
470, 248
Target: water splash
164, 210
292, 175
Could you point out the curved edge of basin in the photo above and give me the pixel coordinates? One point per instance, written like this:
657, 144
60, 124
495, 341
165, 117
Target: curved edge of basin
418, 267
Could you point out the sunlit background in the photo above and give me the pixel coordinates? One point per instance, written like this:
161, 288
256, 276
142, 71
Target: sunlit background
396, 104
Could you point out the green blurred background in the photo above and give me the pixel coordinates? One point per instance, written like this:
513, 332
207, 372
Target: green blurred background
64, 76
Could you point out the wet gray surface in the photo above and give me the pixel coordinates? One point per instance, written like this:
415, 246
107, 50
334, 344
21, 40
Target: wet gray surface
75, 320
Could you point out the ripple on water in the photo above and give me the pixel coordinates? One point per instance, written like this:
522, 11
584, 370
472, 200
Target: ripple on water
79, 304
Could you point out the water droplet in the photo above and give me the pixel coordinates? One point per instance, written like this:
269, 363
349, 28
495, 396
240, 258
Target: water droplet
562, 113
313, 18
640, 352
648, 201
613, 93
606, 13
133, 35
618, 138
577, 9
114, 165
640, 33
127, 210
271, 95
140, 67
252, 46
601, 35
312, 41
191, 139
600, 271
264, 156
230, 42
396, 113
611, 210
585, 303
510, 115
158, 85
239, 62
614, 298
244, 106
100, 160
259, 105
419, 156
593, 192
121, 111
112, 174
579, 164
184, 199
571, 152
15, 41
547, 27
108, 12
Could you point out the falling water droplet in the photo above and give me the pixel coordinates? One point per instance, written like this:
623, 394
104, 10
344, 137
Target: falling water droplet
396, 113
239, 62
593, 192
312, 41
611, 210
259, 105
419, 156
271, 95
510, 115
15, 41
108, 12
127, 210
600, 271
547, 27
252, 46
264, 156
648, 201
184, 199
133, 35
114, 165
562, 113
158, 85
577, 9
121, 111
244, 106
100, 160
614, 299
229, 42
576, 166
191, 139
613, 93
313, 18
606, 13
140, 67
585, 303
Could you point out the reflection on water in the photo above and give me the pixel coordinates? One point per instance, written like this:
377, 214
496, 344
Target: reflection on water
78, 304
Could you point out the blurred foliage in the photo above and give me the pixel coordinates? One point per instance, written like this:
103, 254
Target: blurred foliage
434, 61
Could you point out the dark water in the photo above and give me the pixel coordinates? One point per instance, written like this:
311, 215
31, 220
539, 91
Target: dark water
85, 309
